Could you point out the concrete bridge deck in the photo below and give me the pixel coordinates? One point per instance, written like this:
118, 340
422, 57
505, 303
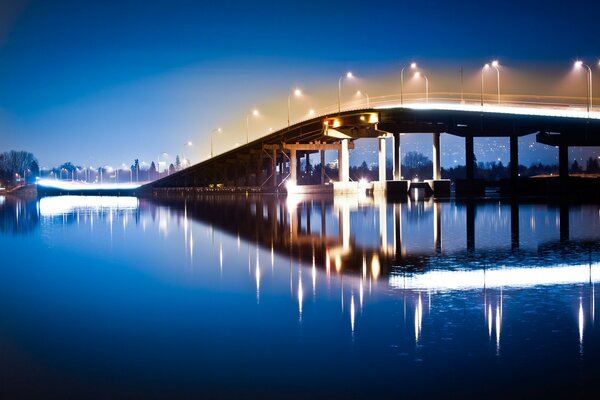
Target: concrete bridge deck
270, 163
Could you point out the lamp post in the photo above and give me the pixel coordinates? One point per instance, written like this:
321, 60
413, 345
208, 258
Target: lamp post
495, 66
418, 75
297, 93
217, 130
348, 75
483, 69
578, 65
254, 114
359, 93
412, 66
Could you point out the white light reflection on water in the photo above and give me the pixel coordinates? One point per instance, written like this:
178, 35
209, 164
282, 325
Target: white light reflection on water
60, 205
501, 277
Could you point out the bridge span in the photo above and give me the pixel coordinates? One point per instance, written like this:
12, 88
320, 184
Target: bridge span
270, 163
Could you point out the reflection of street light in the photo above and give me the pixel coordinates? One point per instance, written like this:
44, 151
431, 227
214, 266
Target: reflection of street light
254, 114
483, 69
218, 130
578, 65
418, 75
412, 66
297, 93
348, 75
359, 93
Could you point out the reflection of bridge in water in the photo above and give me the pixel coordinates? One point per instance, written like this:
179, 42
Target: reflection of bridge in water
304, 229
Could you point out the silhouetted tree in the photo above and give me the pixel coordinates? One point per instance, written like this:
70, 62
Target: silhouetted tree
17, 162
592, 166
575, 167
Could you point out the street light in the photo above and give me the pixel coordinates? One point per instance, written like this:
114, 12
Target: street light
254, 114
495, 65
578, 65
418, 75
483, 69
359, 93
348, 75
217, 130
297, 93
412, 66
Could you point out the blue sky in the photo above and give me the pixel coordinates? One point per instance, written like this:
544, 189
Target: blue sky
103, 82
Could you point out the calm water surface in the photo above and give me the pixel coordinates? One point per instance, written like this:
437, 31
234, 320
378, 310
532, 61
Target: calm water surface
244, 297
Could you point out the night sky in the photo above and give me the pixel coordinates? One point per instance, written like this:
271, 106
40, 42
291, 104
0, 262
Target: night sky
104, 82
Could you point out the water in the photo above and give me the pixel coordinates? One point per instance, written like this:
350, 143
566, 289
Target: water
236, 296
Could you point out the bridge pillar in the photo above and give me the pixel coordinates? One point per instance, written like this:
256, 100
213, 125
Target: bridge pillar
293, 166
469, 158
343, 162
382, 177
273, 170
563, 161
514, 157
397, 160
322, 167
437, 170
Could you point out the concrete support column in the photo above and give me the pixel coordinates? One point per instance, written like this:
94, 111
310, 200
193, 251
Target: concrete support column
344, 162
469, 158
293, 166
397, 159
322, 167
514, 157
563, 161
382, 177
274, 168
437, 168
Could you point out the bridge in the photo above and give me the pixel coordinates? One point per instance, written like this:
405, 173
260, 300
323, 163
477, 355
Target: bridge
271, 163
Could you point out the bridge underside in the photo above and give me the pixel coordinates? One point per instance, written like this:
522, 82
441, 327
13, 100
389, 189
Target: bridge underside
271, 162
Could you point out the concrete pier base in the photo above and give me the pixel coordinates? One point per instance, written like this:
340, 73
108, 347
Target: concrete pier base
439, 187
379, 186
345, 187
397, 187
